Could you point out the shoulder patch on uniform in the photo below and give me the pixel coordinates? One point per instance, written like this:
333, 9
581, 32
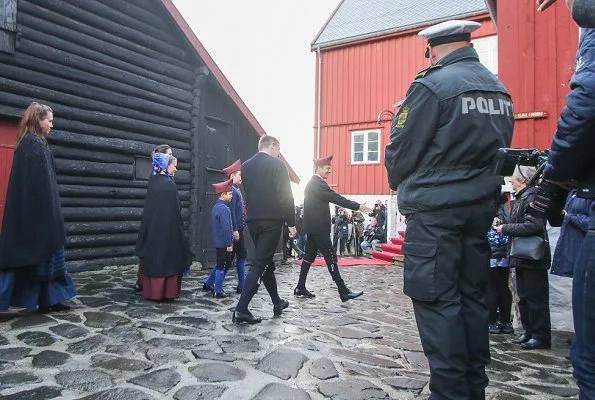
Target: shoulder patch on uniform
426, 71
402, 117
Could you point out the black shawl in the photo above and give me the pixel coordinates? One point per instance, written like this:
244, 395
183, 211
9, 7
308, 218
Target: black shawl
33, 227
161, 241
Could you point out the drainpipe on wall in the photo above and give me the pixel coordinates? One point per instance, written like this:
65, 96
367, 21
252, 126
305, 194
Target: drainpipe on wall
319, 100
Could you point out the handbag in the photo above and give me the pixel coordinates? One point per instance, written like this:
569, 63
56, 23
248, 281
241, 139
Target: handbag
530, 248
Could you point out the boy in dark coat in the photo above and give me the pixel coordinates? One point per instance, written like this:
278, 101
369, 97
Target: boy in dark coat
238, 221
222, 230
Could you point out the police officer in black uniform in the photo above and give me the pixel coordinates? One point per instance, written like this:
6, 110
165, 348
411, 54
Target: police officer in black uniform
443, 142
317, 227
269, 204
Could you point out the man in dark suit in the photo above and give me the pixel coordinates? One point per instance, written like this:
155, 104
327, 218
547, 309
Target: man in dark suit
317, 227
269, 204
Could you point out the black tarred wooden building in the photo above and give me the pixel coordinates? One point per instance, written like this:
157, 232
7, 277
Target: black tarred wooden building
122, 76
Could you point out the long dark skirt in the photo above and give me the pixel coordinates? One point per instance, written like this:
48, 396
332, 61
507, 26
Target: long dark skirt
23, 288
158, 288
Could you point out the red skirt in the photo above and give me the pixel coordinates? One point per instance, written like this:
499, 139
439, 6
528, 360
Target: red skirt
158, 288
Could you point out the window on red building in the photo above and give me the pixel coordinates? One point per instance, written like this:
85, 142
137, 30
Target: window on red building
365, 147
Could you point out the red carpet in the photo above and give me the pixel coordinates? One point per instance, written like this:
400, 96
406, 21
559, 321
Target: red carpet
348, 262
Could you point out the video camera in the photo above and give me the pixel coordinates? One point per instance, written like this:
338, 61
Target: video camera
507, 159
549, 198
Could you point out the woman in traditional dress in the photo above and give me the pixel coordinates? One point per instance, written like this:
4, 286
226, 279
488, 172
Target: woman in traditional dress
165, 149
32, 271
161, 246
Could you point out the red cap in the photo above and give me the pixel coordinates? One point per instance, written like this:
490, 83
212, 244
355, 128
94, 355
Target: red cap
236, 166
321, 162
223, 186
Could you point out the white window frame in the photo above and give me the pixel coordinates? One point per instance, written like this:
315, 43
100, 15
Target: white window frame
366, 133
487, 49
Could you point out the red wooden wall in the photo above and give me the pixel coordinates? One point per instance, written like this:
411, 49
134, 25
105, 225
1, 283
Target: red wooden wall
8, 133
358, 81
536, 60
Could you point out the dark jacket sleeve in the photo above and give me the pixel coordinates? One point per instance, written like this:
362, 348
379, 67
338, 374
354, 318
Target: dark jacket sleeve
232, 207
226, 225
572, 147
527, 224
412, 129
285, 195
328, 194
583, 13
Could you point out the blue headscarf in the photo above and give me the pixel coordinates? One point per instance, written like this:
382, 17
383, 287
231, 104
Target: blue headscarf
160, 163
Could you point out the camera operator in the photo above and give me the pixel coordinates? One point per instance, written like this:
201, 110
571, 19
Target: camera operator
373, 235
531, 274
572, 158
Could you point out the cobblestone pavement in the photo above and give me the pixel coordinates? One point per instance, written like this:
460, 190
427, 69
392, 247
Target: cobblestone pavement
113, 345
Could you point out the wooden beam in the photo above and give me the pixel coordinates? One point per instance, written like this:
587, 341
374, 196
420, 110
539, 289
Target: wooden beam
119, 239
99, 252
124, 146
84, 214
99, 227
89, 168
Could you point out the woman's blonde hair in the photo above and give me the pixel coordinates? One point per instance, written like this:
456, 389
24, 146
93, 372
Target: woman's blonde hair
31, 121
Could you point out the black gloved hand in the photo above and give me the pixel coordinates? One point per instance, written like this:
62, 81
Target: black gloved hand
549, 200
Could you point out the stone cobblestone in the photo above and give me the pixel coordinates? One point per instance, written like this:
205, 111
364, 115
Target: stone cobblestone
114, 345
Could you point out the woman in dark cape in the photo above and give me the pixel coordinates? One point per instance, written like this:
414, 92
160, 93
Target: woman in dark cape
161, 246
32, 270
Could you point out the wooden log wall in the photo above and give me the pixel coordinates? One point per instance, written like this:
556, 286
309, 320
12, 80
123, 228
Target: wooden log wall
121, 80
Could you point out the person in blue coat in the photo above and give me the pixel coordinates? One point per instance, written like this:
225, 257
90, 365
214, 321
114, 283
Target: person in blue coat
573, 231
572, 162
222, 231
238, 221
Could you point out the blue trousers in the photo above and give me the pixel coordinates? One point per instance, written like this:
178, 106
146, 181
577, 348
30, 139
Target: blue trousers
583, 299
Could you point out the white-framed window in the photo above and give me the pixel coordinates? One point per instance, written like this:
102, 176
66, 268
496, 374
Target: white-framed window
487, 49
365, 147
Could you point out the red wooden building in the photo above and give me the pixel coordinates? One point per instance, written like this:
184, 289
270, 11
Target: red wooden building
536, 55
367, 55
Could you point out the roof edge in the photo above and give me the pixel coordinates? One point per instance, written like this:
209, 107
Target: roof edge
327, 22
371, 35
493, 10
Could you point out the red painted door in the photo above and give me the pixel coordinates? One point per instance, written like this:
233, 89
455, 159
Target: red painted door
8, 134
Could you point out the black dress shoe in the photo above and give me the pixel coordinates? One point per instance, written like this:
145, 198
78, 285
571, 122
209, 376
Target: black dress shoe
303, 293
240, 317
138, 287
221, 295
350, 296
238, 290
207, 288
525, 337
278, 309
533, 344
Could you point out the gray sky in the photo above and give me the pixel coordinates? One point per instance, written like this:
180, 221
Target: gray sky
263, 48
